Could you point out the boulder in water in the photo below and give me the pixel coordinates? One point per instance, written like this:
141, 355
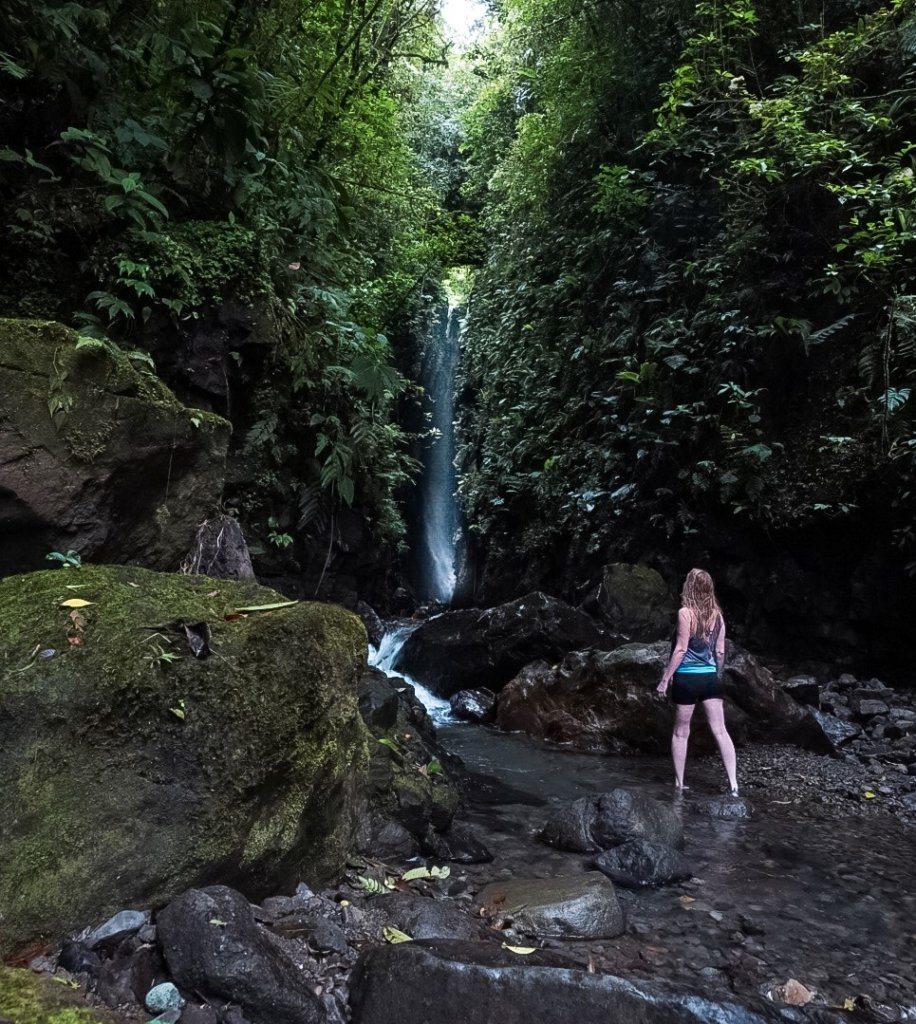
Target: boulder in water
474, 648
579, 907
128, 775
639, 863
610, 819
474, 705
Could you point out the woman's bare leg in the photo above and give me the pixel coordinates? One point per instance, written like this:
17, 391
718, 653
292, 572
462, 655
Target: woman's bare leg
715, 715
684, 712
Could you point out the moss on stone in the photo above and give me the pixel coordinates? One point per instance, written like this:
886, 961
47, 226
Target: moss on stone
27, 998
128, 777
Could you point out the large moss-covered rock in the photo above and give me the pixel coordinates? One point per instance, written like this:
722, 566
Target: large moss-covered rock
96, 455
131, 769
27, 998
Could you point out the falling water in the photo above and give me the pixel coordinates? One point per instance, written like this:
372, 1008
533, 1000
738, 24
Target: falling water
436, 491
385, 655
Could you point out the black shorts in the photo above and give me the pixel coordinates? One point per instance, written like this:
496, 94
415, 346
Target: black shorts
691, 687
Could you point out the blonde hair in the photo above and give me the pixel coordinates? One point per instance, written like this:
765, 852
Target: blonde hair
698, 596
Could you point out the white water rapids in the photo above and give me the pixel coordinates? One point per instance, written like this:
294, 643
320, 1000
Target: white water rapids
385, 656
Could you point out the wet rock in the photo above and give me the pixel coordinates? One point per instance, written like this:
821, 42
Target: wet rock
445, 982
724, 807
375, 628
633, 600
129, 975
610, 819
592, 700
791, 992
640, 863
116, 928
214, 947
261, 770
835, 731
803, 689
393, 842
378, 700
320, 933
487, 648
474, 705
76, 958
580, 907
163, 997
458, 845
220, 550
424, 918
865, 709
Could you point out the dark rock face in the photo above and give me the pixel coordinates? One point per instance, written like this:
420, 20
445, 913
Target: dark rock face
579, 907
406, 808
804, 689
601, 822
474, 705
188, 771
375, 628
445, 982
473, 648
458, 845
214, 947
220, 550
638, 863
633, 600
122, 472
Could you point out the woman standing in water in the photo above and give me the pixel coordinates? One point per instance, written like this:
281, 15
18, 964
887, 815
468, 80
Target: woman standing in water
694, 667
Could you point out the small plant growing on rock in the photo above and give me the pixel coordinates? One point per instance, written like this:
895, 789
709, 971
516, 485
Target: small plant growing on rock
67, 559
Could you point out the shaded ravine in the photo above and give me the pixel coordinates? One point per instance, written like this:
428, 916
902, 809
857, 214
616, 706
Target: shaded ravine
799, 891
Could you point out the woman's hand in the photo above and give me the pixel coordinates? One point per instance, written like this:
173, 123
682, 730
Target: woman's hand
662, 687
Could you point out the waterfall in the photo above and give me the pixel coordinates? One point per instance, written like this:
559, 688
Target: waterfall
438, 483
384, 657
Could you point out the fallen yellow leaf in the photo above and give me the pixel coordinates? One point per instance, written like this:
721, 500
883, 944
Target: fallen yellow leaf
521, 950
686, 900
869, 795
75, 602
395, 935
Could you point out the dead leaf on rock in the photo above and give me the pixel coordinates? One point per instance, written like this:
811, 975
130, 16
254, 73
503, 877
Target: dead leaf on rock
75, 602
685, 901
793, 993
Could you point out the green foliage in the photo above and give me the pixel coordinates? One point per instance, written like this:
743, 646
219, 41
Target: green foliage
67, 559
700, 222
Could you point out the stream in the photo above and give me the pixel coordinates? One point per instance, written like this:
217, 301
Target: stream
801, 890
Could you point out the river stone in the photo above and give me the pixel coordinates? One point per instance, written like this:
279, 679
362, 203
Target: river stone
474, 705
835, 731
258, 779
444, 982
579, 907
803, 689
214, 947
724, 807
459, 845
125, 473
603, 821
124, 923
866, 709
640, 863
163, 997
470, 647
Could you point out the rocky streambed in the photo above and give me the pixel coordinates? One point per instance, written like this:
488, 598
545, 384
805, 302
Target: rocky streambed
503, 877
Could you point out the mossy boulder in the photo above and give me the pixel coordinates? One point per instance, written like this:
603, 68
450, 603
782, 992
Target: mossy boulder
27, 998
131, 769
97, 455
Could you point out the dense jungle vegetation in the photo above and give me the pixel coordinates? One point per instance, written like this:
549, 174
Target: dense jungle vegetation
697, 314
690, 228
158, 159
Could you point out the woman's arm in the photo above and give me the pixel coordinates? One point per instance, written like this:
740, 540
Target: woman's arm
680, 648
720, 645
